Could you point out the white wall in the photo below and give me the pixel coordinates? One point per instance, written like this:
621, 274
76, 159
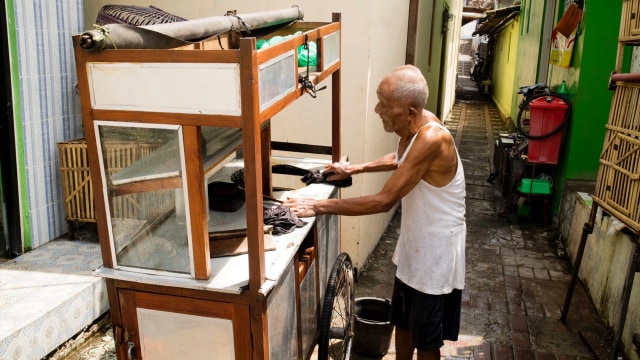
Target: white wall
451, 59
47, 110
430, 57
604, 267
373, 43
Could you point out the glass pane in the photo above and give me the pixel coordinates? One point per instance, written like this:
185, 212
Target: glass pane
281, 315
145, 196
277, 78
331, 49
167, 335
308, 309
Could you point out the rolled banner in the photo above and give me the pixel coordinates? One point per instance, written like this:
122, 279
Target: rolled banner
170, 35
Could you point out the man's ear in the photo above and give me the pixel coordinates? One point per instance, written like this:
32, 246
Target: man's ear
413, 111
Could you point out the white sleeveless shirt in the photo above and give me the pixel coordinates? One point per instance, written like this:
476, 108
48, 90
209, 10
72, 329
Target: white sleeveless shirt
430, 253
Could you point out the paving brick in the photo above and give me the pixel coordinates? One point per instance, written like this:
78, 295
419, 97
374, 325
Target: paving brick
542, 274
523, 354
510, 270
565, 357
518, 323
521, 340
525, 272
512, 282
516, 306
482, 352
552, 311
502, 353
544, 356
514, 293
559, 276
498, 303
534, 309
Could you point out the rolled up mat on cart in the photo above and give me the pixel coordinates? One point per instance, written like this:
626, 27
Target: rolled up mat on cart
170, 35
134, 15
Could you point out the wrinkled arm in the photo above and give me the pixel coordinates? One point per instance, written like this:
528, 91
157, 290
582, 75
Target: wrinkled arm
341, 171
415, 166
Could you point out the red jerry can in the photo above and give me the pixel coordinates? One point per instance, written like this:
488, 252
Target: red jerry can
547, 114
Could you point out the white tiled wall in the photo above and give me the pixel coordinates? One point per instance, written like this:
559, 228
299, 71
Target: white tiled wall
50, 107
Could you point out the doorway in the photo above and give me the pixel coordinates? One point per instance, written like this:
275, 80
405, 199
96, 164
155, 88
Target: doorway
10, 234
444, 47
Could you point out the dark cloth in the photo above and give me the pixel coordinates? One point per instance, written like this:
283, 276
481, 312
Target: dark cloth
316, 176
308, 177
431, 319
286, 169
283, 220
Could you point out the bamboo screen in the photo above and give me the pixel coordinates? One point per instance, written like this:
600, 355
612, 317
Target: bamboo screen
630, 21
78, 189
618, 183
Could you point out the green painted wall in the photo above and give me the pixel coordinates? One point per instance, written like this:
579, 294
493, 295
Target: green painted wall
594, 59
504, 67
18, 123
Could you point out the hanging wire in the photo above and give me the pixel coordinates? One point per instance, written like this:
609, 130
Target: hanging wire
305, 82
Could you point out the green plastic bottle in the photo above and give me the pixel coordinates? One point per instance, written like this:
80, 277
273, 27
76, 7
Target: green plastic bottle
562, 89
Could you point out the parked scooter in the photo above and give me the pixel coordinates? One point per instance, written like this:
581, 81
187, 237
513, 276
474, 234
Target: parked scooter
478, 70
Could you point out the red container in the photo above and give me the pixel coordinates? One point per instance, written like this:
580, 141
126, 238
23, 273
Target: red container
547, 113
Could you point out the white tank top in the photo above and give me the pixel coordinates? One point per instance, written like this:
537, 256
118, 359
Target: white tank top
430, 253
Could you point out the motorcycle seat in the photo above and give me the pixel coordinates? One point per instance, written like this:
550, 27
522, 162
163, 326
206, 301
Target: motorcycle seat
527, 90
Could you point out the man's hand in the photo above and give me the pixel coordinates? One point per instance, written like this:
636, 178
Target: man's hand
301, 207
336, 171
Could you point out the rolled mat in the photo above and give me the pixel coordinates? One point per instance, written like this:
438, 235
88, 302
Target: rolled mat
170, 35
134, 15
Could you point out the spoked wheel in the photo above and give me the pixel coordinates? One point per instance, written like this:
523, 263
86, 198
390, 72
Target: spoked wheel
336, 327
524, 115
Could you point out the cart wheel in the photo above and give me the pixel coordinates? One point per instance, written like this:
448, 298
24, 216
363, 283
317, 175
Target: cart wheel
336, 327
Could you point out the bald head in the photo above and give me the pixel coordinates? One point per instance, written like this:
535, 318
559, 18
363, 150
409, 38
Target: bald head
408, 85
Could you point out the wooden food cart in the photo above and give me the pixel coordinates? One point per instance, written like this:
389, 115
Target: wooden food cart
185, 281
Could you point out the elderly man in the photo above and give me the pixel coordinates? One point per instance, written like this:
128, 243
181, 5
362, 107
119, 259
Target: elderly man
429, 180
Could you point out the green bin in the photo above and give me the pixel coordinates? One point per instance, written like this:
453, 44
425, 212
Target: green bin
535, 186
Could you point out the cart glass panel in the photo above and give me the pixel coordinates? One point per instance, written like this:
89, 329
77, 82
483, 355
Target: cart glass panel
281, 313
277, 78
164, 335
142, 170
331, 49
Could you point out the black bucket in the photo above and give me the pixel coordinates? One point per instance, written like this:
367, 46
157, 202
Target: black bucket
372, 328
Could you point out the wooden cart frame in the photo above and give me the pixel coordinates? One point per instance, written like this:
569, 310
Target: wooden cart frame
134, 295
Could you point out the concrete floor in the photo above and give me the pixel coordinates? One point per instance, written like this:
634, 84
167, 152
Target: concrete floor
517, 273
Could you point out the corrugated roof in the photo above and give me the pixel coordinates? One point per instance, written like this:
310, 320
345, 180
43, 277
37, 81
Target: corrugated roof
495, 20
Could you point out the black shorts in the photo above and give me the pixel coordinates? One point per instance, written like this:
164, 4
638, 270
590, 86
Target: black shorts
431, 319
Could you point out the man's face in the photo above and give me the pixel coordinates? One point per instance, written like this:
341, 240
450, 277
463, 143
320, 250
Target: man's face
392, 112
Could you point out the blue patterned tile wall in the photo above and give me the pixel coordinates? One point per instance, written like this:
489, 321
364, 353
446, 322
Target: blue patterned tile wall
50, 107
